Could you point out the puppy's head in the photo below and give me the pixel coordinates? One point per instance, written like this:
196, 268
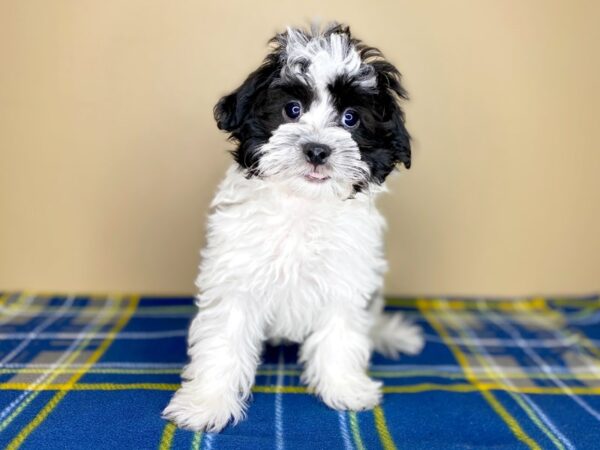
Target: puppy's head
320, 114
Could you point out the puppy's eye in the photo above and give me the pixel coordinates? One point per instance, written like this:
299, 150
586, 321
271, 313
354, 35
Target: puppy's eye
292, 110
350, 118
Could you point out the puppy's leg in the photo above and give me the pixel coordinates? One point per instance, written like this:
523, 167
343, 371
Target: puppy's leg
224, 346
392, 333
336, 356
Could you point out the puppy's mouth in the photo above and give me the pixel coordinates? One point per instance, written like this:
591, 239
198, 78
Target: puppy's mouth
316, 177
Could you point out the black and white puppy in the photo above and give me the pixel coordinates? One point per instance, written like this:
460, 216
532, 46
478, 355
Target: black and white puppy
294, 247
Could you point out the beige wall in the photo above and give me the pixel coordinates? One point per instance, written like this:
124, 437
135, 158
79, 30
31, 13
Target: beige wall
109, 154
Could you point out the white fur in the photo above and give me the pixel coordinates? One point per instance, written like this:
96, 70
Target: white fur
307, 269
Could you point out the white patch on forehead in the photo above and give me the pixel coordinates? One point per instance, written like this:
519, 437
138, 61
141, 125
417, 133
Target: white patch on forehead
319, 59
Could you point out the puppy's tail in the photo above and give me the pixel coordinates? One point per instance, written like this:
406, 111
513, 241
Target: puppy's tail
392, 334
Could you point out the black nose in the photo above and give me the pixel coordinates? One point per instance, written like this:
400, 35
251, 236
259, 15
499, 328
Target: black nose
316, 154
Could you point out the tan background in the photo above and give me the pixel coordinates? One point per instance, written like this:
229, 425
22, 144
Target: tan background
109, 154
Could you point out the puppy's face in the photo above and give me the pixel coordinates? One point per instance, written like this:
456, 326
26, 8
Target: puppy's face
320, 115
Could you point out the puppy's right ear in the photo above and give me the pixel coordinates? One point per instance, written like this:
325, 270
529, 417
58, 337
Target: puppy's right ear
233, 109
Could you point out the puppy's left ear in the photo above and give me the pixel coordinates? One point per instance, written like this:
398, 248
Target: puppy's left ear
232, 110
401, 140
391, 93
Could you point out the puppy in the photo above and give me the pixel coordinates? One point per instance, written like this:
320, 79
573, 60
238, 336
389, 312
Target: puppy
294, 246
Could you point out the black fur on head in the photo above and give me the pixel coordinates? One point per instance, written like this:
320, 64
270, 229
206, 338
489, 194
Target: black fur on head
252, 112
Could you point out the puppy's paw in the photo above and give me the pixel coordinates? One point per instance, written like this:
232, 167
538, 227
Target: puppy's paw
197, 410
392, 334
355, 393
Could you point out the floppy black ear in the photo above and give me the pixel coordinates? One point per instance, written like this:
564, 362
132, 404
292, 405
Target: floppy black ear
231, 110
391, 93
401, 141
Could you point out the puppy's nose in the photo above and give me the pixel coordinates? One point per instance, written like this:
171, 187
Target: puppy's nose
316, 154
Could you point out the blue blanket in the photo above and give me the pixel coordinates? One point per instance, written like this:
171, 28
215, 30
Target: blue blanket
81, 372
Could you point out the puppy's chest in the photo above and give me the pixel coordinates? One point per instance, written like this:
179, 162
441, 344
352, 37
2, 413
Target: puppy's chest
286, 246
297, 234
299, 237
310, 257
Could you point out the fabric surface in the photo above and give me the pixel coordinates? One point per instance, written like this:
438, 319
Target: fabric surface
82, 372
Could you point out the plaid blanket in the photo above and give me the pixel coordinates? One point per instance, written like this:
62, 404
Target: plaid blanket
96, 371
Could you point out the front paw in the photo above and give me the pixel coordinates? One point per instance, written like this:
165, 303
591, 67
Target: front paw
203, 410
354, 393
